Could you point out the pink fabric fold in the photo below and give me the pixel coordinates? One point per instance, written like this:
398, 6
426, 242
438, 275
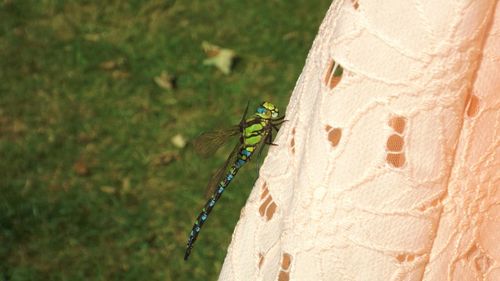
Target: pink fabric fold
388, 169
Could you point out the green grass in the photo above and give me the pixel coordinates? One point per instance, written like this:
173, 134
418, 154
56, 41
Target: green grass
82, 196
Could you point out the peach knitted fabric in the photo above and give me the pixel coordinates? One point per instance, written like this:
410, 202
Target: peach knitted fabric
389, 170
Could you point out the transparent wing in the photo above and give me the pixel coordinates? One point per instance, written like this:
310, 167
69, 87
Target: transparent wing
208, 143
222, 171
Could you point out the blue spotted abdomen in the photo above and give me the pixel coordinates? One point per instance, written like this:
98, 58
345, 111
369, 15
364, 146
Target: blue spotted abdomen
243, 157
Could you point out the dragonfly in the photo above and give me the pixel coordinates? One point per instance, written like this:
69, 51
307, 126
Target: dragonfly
254, 132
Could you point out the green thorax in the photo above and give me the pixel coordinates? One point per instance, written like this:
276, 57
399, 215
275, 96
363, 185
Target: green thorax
254, 132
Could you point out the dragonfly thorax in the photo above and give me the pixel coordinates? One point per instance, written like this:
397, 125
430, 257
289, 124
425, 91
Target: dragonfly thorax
254, 132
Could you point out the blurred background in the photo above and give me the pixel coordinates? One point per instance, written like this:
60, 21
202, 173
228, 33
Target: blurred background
98, 103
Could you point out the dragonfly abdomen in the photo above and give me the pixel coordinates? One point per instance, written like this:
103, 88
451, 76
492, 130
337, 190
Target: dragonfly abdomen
207, 209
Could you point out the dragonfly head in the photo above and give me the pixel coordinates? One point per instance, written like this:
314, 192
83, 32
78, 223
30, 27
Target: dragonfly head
267, 110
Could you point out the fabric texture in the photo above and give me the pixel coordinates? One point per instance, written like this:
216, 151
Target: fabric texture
390, 170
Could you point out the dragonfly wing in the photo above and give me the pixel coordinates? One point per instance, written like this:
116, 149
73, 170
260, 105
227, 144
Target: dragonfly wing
244, 114
222, 171
208, 143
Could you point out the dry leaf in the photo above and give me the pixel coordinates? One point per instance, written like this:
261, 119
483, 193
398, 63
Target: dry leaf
108, 189
92, 37
120, 74
108, 65
165, 81
179, 141
166, 158
112, 64
81, 168
219, 57
126, 185
18, 127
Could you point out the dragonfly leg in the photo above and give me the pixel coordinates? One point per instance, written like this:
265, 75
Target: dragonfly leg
266, 141
269, 139
275, 125
280, 122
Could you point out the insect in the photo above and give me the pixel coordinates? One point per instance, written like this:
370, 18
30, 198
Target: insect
253, 132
